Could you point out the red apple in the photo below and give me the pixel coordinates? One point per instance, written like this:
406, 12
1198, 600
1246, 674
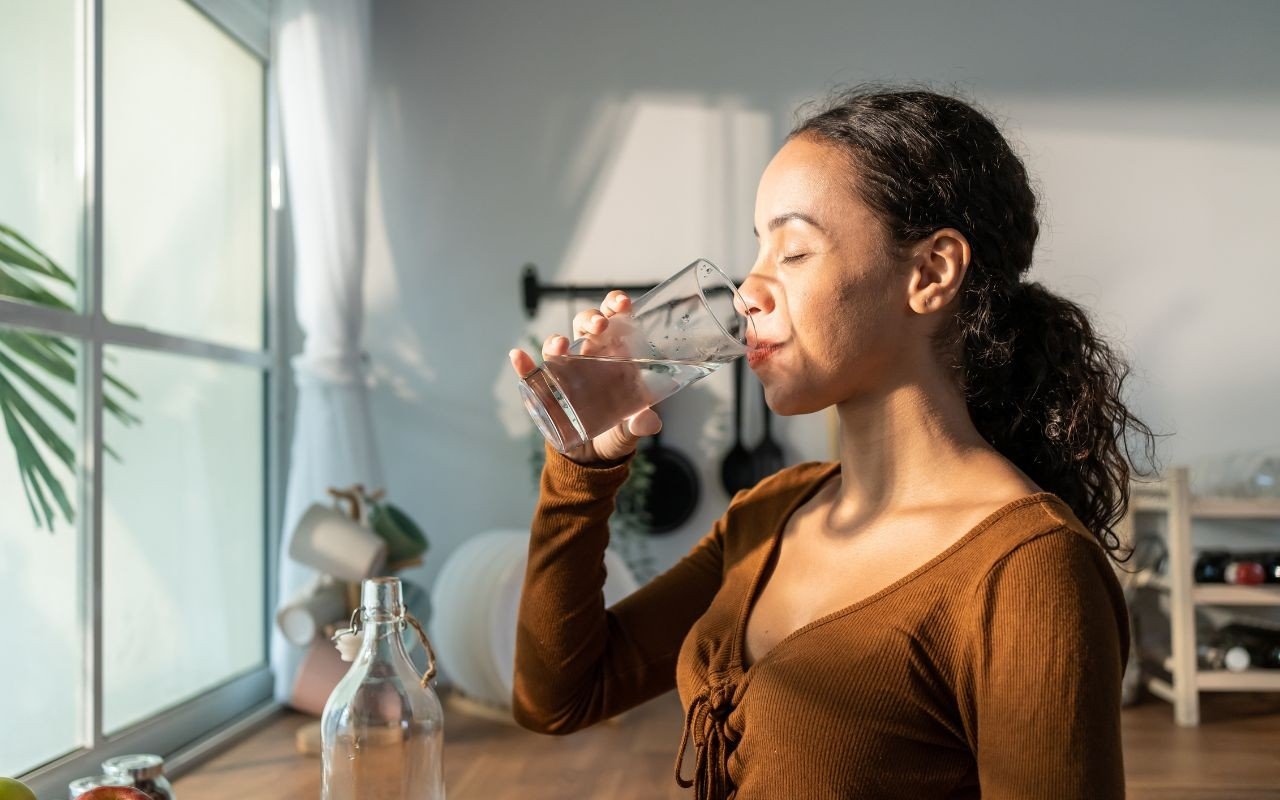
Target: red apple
114, 793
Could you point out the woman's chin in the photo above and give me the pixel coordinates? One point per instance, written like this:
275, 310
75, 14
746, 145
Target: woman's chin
783, 401
793, 398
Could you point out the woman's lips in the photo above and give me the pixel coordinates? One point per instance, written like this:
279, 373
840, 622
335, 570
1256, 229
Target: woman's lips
761, 353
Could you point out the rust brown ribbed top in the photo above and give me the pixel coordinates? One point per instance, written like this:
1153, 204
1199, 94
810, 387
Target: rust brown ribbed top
991, 671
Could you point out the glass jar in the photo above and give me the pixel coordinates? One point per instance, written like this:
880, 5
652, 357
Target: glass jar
382, 732
145, 772
81, 785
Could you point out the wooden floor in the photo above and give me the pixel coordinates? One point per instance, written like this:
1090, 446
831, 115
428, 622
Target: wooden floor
1233, 755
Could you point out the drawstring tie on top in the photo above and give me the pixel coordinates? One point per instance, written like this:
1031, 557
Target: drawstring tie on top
713, 740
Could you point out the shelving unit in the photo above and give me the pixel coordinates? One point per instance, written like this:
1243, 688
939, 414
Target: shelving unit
1172, 497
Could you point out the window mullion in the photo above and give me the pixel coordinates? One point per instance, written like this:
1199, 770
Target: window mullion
91, 385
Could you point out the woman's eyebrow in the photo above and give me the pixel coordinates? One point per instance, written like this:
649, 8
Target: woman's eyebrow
783, 219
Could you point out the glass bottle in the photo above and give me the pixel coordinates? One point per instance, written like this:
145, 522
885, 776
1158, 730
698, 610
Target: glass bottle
1234, 659
1263, 643
382, 732
1211, 566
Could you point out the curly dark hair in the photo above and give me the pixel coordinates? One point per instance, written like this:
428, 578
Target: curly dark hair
1042, 386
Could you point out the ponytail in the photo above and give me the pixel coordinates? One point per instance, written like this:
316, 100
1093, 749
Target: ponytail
1042, 387
1047, 392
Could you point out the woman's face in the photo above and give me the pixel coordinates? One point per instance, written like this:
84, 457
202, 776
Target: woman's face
828, 299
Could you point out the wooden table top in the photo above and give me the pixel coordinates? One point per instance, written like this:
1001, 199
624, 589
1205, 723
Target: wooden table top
1233, 755
632, 757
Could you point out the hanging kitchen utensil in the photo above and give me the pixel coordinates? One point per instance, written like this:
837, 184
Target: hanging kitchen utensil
674, 488
571, 303
767, 458
737, 471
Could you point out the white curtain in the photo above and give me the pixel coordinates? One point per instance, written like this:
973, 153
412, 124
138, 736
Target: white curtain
322, 65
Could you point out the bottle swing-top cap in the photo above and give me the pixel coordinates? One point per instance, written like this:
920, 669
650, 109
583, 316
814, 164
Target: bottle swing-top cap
381, 600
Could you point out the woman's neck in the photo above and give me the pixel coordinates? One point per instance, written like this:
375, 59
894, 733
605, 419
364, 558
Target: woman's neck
911, 447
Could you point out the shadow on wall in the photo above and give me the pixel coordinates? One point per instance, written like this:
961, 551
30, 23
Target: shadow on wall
622, 189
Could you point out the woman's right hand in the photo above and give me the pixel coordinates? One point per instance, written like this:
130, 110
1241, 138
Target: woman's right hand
620, 441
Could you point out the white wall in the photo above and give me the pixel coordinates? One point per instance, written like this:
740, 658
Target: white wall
610, 141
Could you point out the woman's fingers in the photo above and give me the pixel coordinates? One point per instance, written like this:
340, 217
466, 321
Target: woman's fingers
555, 345
644, 423
595, 321
621, 439
615, 302
590, 321
521, 362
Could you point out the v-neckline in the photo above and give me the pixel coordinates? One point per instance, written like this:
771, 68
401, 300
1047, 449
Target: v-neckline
738, 649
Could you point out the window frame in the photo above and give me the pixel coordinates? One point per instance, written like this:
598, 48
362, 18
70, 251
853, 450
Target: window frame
188, 731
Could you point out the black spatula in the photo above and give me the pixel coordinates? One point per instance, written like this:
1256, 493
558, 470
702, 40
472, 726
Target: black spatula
767, 458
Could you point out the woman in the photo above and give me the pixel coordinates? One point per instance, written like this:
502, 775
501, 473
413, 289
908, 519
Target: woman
933, 616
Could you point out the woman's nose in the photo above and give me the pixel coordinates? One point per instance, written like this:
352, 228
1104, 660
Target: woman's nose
755, 295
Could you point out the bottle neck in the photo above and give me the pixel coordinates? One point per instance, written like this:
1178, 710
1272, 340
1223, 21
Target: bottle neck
383, 637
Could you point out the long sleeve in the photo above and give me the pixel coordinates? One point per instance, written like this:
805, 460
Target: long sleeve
1047, 647
576, 661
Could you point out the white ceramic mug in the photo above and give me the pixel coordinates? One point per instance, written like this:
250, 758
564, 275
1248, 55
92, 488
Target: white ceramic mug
334, 544
318, 604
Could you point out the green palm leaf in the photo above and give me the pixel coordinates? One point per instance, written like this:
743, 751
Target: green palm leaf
17, 250
33, 469
32, 360
12, 398
39, 352
17, 370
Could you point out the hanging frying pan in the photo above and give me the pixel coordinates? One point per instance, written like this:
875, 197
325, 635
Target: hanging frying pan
674, 488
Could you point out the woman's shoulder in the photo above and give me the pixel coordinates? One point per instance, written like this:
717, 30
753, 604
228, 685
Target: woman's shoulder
1043, 515
1040, 539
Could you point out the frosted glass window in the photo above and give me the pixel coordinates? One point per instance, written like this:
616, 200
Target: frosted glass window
181, 609
41, 133
183, 533
40, 574
183, 173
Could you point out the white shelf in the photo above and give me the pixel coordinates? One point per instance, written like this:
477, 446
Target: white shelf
1207, 507
1172, 497
1251, 680
1222, 594
1162, 689
1222, 680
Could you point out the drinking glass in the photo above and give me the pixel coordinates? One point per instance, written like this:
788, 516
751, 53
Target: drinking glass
682, 330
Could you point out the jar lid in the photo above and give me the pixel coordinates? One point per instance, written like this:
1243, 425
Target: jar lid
79, 786
139, 766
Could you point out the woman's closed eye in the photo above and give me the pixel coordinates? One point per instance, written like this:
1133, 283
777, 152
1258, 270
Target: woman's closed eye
794, 258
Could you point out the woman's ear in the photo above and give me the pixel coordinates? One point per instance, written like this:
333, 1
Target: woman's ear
938, 266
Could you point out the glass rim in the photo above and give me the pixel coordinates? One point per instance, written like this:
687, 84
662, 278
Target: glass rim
733, 287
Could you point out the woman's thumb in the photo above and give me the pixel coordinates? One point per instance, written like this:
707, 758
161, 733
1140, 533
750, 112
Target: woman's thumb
644, 423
